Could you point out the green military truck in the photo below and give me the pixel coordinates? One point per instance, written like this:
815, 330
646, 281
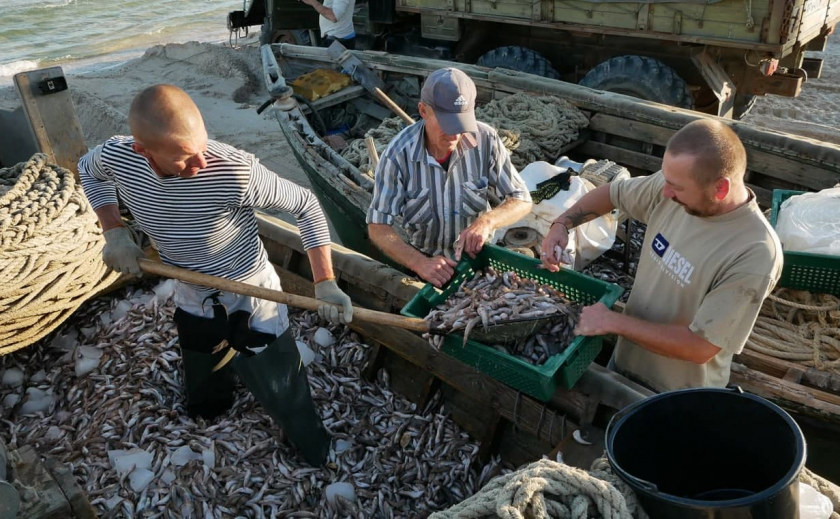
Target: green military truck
713, 56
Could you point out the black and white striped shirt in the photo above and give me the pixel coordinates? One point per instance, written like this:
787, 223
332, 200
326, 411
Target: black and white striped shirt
437, 204
205, 223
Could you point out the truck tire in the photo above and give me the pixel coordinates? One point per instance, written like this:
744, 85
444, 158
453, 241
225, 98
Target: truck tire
521, 59
642, 77
297, 37
743, 104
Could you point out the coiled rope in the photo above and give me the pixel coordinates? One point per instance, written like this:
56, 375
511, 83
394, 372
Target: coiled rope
801, 327
531, 128
50, 251
548, 489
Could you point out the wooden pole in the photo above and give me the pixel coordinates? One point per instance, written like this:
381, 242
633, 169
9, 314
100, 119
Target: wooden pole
307, 303
371, 149
382, 96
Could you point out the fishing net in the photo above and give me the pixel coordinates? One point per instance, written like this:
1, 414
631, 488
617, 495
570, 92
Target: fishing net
50, 251
531, 128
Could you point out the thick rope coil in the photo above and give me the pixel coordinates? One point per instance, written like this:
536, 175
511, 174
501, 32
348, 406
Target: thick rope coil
50, 251
548, 489
799, 327
531, 128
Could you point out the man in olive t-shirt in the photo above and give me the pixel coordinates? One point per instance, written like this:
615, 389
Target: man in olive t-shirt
708, 261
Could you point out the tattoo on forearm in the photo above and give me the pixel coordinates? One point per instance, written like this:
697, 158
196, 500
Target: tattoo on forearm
578, 218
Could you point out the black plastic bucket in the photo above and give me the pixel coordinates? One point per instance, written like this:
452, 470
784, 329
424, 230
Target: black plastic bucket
709, 453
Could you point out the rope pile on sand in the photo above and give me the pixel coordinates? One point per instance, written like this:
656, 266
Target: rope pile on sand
50, 251
800, 327
547, 489
531, 128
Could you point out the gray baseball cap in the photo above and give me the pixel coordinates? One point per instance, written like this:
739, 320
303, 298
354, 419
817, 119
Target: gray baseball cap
451, 95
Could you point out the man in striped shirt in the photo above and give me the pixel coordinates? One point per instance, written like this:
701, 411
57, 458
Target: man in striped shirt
438, 176
196, 198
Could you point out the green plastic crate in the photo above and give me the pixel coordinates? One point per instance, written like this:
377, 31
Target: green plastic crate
540, 382
804, 271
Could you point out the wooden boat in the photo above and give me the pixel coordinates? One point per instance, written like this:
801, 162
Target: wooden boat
626, 130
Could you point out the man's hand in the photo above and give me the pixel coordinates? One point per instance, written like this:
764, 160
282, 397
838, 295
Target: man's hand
553, 246
310, 2
329, 292
472, 239
120, 252
437, 270
596, 320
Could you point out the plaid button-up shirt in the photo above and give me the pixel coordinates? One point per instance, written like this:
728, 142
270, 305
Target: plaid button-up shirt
436, 204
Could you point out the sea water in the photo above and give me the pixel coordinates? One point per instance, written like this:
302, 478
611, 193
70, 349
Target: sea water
90, 34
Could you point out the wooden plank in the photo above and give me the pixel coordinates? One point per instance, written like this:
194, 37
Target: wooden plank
823, 380
622, 156
374, 362
343, 95
794, 375
477, 418
791, 396
48, 501
406, 379
761, 162
519, 447
52, 117
79, 503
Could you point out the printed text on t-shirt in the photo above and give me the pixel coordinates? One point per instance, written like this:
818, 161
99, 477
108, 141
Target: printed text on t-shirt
669, 260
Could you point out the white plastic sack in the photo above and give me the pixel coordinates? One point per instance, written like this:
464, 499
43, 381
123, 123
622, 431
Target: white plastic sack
586, 242
811, 222
812, 504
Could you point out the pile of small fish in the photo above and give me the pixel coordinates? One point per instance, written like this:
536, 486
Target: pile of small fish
491, 297
609, 266
117, 418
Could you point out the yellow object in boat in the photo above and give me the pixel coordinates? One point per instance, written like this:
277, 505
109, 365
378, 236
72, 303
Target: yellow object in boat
319, 83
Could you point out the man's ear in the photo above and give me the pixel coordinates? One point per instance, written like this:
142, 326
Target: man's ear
722, 188
421, 108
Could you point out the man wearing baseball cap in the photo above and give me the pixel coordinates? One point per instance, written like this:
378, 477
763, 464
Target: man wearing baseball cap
438, 180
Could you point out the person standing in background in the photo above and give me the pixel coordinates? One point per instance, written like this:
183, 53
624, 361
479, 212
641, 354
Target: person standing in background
336, 21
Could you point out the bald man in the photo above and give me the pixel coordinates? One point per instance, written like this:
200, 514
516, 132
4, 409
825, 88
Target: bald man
196, 198
708, 261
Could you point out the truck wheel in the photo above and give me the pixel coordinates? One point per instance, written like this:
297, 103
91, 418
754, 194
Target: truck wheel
641, 77
743, 104
519, 58
296, 37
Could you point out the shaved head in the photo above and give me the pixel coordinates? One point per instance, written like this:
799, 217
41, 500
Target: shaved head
163, 112
718, 152
168, 131
704, 166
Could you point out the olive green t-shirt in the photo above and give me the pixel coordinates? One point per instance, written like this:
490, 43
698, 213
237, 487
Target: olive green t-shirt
710, 274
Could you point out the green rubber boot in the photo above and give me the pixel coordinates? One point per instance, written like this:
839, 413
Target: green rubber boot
278, 381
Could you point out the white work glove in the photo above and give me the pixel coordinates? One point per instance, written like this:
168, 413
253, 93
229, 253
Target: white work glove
120, 252
329, 292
